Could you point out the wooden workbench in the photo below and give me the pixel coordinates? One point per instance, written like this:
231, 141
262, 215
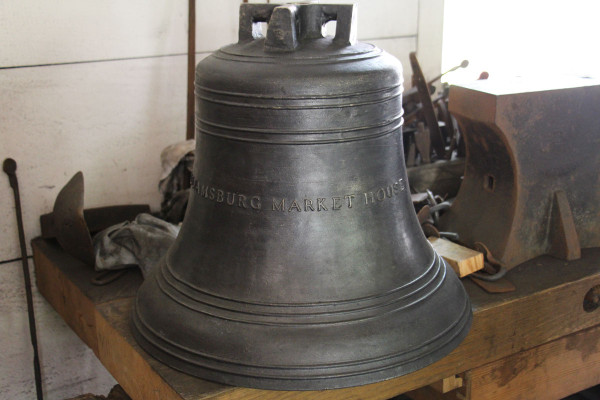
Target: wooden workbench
535, 343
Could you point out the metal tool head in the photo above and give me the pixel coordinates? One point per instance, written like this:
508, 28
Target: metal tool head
71, 229
9, 166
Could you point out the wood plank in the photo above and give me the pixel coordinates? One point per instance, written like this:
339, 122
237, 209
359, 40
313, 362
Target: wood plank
66, 31
68, 289
550, 371
67, 299
463, 260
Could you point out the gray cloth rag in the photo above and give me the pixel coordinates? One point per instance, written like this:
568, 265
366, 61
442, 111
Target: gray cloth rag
142, 242
173, 154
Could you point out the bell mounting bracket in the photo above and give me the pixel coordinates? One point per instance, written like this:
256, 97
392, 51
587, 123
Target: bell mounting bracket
291, 24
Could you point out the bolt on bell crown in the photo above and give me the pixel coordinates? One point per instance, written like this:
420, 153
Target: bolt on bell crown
300, 264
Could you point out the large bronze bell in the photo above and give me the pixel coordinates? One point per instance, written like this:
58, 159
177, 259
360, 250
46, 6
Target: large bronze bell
300, 263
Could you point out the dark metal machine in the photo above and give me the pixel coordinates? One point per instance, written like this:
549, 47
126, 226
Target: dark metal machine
300, 263
532, 178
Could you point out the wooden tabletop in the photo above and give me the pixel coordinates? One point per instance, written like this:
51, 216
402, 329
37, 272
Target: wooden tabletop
547, 305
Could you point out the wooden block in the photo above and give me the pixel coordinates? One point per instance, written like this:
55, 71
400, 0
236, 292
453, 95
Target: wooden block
448, 384
550, 371
463, 260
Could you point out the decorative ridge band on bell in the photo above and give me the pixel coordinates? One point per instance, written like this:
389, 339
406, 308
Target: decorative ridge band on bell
372, 103
300, 264
195, 298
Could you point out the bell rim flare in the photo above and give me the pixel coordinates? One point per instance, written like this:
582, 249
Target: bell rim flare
310, 375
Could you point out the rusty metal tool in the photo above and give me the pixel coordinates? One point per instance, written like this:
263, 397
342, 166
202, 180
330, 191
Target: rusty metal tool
494, 269
492, 277
10, 168
463, 64
450, 127
435, 134
71, 229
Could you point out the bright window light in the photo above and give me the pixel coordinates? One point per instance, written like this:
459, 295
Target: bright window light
510, 38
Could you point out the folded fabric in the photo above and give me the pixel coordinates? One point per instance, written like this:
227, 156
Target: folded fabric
172, 155
142, 242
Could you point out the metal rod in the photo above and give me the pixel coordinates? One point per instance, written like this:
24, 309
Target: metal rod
463, 64
10, 167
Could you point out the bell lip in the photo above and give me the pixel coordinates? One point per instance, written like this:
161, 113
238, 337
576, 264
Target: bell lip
396, 362
299, 383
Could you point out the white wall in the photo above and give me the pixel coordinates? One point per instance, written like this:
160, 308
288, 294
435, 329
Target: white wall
100, 86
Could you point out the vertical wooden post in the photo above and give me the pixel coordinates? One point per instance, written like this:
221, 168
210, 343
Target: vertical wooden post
191, 67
